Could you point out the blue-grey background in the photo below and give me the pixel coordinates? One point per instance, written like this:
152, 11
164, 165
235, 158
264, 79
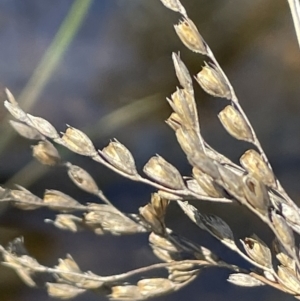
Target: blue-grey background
122, 53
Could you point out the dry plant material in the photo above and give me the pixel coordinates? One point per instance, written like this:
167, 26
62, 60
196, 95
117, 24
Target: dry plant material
214, 178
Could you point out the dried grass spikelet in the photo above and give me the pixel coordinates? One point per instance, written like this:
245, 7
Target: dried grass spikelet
286, 261
67, 222
155, 286
63, 291
26, 131
174, 121
235, 124
257, 250
16, 257
254, 164
188, 140
159, 205
183, 103
58, 200
174, 5
78, 142
178, 276
204, 163
155, 221
283, 232
213, 82
256, 193
158, 169
288, 278
15, 110
82, 178
32, 201
43, 126
69, 265
125, 292
161, 242
231, 182
207, 183
182, 73
46, 153
218, 228
245, 280
106, 219
22, 265
119, 157
190, 36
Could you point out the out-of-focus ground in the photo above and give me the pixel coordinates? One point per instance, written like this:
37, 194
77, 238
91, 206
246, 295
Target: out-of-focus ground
122, 53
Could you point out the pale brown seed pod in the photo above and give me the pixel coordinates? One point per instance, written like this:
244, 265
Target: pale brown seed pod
283, 232
155, 286
69, 265
82, 178
174, 5
119, 157
235, 124
58, 200
26, 131
63, 291
288, 278
256, 193
213, 82
257, 250
43, 126
254, 164
46, 153
158, 169
190, 36
207, 183
182, 73
78, 142
125, 292
16, 111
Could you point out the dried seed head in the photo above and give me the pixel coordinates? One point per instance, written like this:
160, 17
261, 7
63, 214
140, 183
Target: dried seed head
106, 219
63, 291
190, 36
258, 250
254, 164
156, 222
256, 193
16, 111
43, 126
174, 5
58, 200
283, 232
158, 169
188, 140
182, 73
218, 228
125, 292
183, 103
69, 265
207, 183
231, 182
213, 82
159, 205
78, 142
246, 280
155, 286
235, 124
288, 278
161, 242
26, 130
119, 157
46, 153
286, 261
204, 163
82, 179
174, 121
182, 276
25, 200
67, 222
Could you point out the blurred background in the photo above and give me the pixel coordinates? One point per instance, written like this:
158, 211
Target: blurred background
105, 67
